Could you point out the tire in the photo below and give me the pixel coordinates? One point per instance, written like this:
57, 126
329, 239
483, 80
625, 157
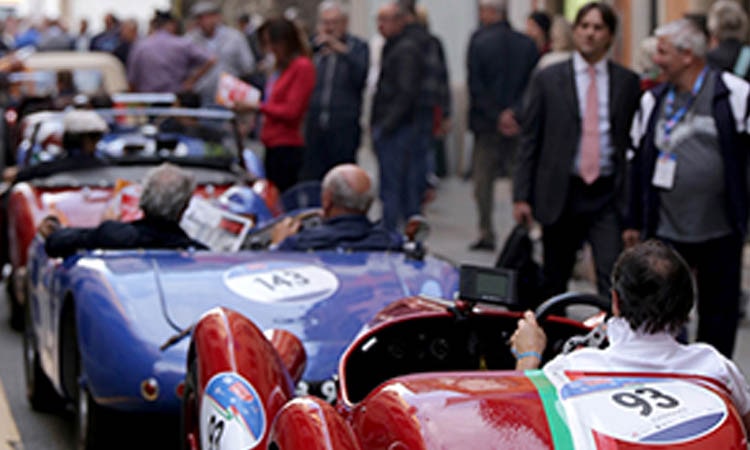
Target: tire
189, 411
16, 309
93, 423
40, 393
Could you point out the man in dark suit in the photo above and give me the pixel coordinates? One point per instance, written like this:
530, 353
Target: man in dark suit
341, 60
500, 62
571, 163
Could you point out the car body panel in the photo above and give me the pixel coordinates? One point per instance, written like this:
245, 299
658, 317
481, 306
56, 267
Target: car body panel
129, 303
435, 399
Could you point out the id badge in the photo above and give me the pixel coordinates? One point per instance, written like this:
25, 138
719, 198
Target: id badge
664, 172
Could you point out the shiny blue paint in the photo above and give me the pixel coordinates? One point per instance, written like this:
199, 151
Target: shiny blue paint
129, 303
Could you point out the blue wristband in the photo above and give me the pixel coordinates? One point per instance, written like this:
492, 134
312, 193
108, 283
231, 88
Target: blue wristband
523, 355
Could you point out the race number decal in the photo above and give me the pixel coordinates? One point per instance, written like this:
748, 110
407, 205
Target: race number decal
232, 414
274, 282
648, 411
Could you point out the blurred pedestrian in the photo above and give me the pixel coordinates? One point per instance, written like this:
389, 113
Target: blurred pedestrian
128, 36
500, 63
164, 62
228, 46
538, 26
727, 25
434, 107
571, 162
561, 43
287, 98
689, 178
54, 37
333, 132
395, 129
83, 38
109, 38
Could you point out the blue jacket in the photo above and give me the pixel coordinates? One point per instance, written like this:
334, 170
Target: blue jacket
731, 104
349, 232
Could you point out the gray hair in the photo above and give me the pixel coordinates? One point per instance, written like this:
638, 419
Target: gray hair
727, 20
329, 5
685, 35
500, 6
343, 195
166, 192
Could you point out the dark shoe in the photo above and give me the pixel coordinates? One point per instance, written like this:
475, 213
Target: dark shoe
483, 244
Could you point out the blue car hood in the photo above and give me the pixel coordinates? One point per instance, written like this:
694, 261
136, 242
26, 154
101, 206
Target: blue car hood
324, 298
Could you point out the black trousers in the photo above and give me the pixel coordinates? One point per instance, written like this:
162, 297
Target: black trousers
329, 147
589, 215
283, 165
717, 266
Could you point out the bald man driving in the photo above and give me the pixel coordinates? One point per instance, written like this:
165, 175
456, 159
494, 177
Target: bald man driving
346, 198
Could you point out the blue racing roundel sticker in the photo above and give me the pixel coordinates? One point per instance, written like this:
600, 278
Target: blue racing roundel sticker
232, 414
281, 282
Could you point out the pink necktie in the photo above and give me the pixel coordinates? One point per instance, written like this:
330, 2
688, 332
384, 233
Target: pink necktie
589, 164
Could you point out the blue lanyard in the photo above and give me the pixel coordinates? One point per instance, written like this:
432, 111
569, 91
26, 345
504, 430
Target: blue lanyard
672, 117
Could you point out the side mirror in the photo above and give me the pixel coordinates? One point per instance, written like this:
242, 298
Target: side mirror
417, 229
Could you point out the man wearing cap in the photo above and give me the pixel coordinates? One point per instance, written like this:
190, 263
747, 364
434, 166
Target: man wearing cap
227, 45
164, 62
82, 131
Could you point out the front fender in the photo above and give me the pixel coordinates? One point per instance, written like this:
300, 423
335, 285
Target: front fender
312, 424
241, 381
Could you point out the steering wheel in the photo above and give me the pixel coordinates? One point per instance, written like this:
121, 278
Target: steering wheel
557, 304
260, 239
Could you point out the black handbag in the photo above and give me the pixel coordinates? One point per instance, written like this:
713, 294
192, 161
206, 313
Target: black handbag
518, 254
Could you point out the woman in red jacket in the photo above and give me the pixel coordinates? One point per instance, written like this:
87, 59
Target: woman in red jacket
287, 97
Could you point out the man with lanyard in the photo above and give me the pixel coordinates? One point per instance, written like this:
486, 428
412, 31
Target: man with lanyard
688, 185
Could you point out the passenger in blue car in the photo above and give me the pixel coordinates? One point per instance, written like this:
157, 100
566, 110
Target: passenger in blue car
166, 193
346, 197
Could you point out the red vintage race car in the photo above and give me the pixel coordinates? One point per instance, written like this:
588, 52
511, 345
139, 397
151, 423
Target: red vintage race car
434, 374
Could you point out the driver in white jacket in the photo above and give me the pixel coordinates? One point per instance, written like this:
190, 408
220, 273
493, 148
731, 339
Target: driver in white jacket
652, 295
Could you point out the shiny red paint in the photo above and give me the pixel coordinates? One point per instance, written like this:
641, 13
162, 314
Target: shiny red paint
310, 423
291, 351
453, 410
226, 341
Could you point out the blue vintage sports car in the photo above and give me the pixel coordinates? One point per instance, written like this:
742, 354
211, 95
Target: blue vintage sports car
104, 328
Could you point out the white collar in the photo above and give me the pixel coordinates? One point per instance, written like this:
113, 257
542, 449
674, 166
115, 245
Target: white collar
619, 332
581, 66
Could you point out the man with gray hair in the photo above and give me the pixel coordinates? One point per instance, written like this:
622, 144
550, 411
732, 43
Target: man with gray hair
345, 198
167, 190
688, 174
333, 132
727, 24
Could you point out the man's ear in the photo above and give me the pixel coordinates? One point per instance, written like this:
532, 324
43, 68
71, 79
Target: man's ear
326, 200
615, 303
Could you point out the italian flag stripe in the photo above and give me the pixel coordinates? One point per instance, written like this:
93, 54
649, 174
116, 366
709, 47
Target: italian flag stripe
558, 428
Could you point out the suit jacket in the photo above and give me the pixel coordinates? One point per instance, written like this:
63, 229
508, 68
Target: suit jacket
500, 62
552, 131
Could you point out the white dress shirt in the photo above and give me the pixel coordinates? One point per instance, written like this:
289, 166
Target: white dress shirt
634, 351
